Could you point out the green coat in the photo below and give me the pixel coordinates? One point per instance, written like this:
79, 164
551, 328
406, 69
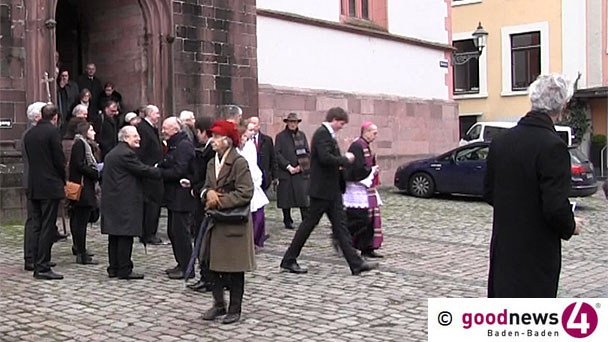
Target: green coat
229, 247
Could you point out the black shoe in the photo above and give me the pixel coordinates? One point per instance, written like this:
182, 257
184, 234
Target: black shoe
52, 264
372, 254
231, 318
28, 266
179, 275
132, 276
214, 312
75, 252
365, 266
154, 241
172, 270
293, 267
60, 237
112, 274
289, 226
200, 286
85, 259
48, 275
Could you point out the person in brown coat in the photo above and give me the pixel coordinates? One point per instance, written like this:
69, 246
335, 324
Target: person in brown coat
227, 248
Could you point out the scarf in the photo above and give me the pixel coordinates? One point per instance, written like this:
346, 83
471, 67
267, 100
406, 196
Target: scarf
90, 158
302, 153
219, 163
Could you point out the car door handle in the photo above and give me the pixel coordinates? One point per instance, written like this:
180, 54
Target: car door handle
478, 167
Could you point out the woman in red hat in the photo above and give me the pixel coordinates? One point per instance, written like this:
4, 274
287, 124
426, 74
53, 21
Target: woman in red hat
227, 248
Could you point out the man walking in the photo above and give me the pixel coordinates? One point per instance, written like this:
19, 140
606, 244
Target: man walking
176, 168
528, 182
327, 186
150, 153
266, 155
46, 179
361, 198
122, 202
293, 160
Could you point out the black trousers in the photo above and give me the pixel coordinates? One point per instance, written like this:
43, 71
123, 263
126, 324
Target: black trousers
336, 215
179, 234
78, 227
361, 227
151, 218
28, 235
235, 281
120, 249
287, 220
44, 218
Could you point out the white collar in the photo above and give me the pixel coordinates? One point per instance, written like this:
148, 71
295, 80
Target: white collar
330, 129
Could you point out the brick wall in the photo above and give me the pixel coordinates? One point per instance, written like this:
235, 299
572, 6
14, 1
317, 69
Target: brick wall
215, 55
12, 74
409, 128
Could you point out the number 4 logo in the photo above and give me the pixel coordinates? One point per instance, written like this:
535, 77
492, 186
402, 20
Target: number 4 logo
579, 319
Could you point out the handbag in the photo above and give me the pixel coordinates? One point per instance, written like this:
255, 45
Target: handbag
73, 190
230, 215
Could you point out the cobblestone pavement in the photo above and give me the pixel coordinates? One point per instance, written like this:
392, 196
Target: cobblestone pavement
433, 248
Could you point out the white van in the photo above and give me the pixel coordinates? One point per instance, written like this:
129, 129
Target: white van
487, 130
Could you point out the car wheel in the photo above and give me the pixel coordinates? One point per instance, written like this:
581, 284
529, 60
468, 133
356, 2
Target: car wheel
421, 185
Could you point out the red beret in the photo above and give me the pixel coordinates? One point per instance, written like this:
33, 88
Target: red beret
227, 129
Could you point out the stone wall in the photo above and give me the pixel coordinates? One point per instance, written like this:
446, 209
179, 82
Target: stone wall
409, 128
215, 53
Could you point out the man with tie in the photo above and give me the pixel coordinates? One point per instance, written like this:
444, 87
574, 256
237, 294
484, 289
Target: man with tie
266, 157
326, 188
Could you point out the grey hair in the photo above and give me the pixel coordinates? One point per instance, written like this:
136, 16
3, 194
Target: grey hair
79, 108
149, 109
34, 109
230, 112
185, 114
124, 132
549, 93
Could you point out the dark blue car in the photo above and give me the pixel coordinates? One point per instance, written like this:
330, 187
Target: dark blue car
461, 171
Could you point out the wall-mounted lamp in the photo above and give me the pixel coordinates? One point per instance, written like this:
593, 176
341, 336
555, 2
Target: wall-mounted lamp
480, 37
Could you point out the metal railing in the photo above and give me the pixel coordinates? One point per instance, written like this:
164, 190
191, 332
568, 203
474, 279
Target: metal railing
603, 154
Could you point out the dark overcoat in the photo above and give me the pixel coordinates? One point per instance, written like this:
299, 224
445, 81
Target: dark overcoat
358, 170
199, 167
150, 152
80, 171
266, 160
106, 128
46, 162
527, 182
122, 199
292, 191
67, 97
229, 247
326, 163
177, 164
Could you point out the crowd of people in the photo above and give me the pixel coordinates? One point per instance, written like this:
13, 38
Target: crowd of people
194, 167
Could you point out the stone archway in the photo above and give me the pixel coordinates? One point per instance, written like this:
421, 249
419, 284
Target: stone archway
129, 40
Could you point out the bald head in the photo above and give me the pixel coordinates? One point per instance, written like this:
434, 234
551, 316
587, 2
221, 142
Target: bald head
171, 126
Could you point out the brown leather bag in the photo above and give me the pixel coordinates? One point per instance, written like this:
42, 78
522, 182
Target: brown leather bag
73, 190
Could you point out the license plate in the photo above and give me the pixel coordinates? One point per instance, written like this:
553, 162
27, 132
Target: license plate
588, 176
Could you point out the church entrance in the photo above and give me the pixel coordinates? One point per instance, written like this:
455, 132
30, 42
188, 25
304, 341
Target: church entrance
110, 34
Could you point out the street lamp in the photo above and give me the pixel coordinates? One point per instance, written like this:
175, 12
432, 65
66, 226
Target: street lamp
480, 37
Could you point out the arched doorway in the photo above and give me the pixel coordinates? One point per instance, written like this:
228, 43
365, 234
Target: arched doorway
110, 35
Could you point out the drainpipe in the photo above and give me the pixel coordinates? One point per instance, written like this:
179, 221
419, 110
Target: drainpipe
50, 24
170, 40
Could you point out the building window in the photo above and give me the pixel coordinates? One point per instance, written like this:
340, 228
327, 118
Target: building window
525, 59
371, 11
466, 76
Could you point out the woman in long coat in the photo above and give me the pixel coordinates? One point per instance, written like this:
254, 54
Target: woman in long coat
83, 170
227, 248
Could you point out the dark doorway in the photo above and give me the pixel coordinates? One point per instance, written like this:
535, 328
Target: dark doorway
112, 36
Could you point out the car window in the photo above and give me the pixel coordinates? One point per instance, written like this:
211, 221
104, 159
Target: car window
492, 132
472, 154
576, 156
473, 133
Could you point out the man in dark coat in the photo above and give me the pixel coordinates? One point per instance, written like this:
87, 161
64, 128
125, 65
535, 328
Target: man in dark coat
326, 188
151, 153
266, 155
122, 202
527, 182
67, 96
106, 127
202, 157
89, 81
176, 170
293, 160
46, 179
